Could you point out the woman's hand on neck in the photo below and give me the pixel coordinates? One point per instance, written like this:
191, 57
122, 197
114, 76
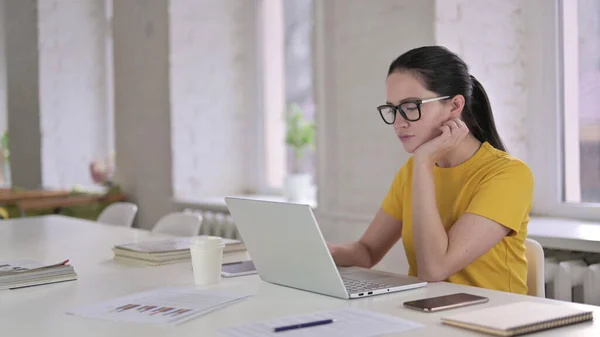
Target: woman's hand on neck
461, 153
454, 146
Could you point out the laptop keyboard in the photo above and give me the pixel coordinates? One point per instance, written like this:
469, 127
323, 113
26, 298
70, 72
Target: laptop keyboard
359, 286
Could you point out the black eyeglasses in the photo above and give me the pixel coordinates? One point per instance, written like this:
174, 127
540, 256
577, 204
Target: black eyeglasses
409, 110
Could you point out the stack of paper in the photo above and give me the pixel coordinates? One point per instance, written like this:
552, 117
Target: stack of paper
27, 272
161, 306
160, 252
347, 322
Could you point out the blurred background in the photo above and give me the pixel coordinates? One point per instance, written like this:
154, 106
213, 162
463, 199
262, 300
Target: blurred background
178, 103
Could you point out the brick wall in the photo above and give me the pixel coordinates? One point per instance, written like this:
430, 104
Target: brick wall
214, 92
73, 105
490, 36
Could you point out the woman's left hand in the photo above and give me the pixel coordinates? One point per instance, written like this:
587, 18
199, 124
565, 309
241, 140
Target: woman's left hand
453, 132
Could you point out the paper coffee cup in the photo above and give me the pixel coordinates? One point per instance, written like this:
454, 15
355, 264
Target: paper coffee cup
207, 257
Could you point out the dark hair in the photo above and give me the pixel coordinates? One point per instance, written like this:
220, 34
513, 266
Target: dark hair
446, 74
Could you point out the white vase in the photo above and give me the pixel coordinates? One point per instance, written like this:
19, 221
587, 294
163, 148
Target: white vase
297, 187
7, 180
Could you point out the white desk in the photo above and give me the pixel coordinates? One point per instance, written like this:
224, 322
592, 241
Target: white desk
39, 311
565, 234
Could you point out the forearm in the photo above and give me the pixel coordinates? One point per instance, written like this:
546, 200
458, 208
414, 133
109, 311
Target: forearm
430, 237
351, 254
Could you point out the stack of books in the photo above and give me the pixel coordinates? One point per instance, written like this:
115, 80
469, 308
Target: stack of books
27, 272
167, 251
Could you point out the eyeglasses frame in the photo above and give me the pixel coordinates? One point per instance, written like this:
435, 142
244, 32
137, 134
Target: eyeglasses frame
398, 108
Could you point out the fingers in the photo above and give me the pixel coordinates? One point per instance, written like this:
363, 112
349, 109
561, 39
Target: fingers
446, 130
452, 124
454, 131
456, 127
463, 128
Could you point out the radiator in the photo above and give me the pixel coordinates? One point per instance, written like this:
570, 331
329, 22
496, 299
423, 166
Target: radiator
217, 223
573, 279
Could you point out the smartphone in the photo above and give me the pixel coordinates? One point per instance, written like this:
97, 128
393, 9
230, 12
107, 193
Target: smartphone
238, 269
445, 302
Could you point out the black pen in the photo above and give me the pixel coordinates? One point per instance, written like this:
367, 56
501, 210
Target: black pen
302, 325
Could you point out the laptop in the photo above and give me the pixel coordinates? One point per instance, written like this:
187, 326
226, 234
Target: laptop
288, 249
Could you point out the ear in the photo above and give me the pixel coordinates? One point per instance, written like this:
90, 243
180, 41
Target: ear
457, 104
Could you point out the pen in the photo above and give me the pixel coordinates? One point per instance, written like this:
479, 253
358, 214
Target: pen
302, 325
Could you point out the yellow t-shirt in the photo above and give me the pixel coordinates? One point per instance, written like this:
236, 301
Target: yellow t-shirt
492, 184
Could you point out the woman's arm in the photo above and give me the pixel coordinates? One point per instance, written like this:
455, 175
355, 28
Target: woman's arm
440, 254
381, 235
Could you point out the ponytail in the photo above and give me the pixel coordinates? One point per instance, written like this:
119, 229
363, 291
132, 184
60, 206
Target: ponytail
443, 72
479, 118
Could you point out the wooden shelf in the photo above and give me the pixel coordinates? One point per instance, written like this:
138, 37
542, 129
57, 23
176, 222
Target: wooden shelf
68, 201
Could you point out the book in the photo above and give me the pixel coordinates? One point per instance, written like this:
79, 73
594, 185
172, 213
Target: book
174, 245
175, 250
28, 272
231, 257
519, 318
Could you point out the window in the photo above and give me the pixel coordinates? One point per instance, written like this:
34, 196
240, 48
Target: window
581, 88
286, 38
565, 144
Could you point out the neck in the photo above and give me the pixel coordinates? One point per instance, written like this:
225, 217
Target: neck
460, 153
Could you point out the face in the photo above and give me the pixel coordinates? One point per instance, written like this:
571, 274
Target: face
403, 86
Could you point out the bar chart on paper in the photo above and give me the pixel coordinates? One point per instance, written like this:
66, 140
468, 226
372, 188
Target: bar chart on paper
161, 306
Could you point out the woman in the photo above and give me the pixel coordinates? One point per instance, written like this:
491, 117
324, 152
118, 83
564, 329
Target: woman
460, 203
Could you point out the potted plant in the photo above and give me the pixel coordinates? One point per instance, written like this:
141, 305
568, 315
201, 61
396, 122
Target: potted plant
299, 138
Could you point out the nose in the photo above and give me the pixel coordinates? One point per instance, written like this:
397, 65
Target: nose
400, 122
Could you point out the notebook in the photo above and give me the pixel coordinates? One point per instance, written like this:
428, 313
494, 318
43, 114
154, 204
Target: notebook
28, 272
519, 318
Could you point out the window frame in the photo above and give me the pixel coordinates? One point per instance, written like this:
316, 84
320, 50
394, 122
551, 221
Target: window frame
266, 116
270, 112
549, 155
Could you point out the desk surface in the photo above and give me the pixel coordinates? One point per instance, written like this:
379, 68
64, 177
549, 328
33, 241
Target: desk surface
39, 311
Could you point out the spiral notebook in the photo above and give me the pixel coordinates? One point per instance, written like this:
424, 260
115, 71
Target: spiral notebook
519, 318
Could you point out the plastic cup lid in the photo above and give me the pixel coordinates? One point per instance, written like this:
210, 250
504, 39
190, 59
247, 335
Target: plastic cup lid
207, 241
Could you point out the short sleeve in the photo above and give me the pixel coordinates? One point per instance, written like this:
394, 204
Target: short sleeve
392, 203
506, 196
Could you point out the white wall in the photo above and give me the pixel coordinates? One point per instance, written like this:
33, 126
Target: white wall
142, 106
22, 88
73, 84
56, 83
490, 36
359, 154
214, 92
3, 118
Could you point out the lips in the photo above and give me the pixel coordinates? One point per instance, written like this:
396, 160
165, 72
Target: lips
405, 137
